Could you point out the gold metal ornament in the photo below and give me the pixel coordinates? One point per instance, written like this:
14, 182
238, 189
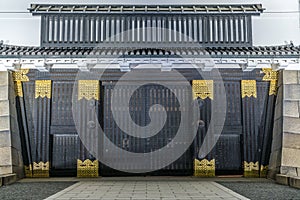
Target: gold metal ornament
204, 168
88, 89
264, 171
28, 171
269, 74
273, 87
203, 89
41, 170
43, 88
249, 88
18, 89
20, 75
87, 168
251, 169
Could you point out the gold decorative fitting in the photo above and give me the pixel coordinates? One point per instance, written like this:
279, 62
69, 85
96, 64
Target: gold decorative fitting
249, 88
204, 168
88, 89
269, 74
263, 171
43, 88
273, 87
20, 75
251, 169
203, 89
18, 89
41, 170
87, 168
28, 171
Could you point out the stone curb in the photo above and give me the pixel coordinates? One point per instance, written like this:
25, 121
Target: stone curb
288, 180
8, 179
237, 195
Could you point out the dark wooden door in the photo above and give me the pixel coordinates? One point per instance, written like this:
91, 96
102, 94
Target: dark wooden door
227, 151
141, 103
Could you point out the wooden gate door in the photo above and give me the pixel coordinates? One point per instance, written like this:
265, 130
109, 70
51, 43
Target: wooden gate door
244, 145
141, 103
227, 152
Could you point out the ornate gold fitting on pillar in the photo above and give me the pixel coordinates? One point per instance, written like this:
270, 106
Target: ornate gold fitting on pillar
264, 171
28, 171
19, 77
204, 168
87, 168
88, 89
271, 76
43, 88
249, 88
251, 169
41, 170
203, 89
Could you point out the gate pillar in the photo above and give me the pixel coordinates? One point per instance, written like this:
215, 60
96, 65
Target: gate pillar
11, 165
285, 152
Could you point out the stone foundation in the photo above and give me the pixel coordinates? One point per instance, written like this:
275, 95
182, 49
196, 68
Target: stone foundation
10, 146
285, 155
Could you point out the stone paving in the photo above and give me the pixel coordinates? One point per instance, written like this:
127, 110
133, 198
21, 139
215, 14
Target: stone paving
142, 190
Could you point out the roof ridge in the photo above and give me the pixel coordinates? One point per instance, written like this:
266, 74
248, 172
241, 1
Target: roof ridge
183, 47
145, 8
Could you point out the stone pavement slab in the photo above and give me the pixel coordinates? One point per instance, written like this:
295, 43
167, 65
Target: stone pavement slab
147, 190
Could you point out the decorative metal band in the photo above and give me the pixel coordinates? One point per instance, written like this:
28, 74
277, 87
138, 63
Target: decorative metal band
204, 168
43, 88
269, 74
18, 89
88, 89
251, 169
203, 89
37, 170
41, 169
28, 171
264, 171
249, 88
20, 75
87, 168
273, 87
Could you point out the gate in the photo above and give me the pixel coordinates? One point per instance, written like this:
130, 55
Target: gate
244, 146
141, 104
51, 145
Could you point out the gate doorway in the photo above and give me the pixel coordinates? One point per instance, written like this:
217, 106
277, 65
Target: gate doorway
143, 104
51, 142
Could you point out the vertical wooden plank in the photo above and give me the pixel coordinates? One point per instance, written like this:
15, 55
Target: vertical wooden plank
175, 29
102, 28
57, 27
195, 30
200, 29
220, 29
113, 29
249, 30
62, 30
214, 31
44, 29
41, 120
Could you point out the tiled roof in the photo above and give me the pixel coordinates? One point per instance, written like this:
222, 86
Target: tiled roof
8, 51
146, 9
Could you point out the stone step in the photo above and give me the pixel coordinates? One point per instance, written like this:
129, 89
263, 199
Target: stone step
293, 181
7, 179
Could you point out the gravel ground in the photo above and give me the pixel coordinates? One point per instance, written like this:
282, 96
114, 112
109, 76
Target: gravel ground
263, 190
35, 191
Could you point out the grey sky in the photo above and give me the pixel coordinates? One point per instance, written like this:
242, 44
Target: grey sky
268, 29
